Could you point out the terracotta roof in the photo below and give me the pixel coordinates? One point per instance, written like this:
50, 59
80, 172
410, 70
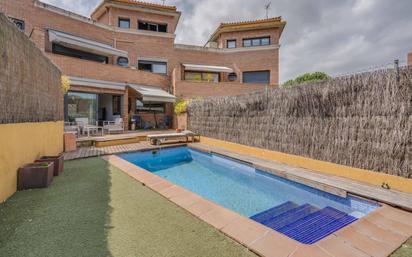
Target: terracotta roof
251, 21
251, 24
147, 4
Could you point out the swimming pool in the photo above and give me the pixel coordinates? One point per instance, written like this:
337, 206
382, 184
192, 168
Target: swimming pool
296, 210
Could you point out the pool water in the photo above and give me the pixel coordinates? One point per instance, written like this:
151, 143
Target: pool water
288, 207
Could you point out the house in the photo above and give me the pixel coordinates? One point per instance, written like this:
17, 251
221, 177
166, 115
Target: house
123, 61
410, 59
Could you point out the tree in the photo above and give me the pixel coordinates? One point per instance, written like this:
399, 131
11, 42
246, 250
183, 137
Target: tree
315, 76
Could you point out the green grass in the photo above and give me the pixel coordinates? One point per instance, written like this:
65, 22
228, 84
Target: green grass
405, 250
93, 209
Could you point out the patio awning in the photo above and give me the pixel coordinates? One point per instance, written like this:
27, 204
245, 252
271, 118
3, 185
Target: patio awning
152, 94
197, 67
83, 44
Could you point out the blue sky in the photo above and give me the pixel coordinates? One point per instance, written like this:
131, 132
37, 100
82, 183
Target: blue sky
334, 36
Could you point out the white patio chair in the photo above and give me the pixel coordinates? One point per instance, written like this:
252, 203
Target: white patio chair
115, 126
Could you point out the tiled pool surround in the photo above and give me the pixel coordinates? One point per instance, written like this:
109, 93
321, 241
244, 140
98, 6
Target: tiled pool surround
377, 234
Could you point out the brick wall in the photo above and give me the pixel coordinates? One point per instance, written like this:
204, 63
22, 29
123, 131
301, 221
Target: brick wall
138, 45
189, 89
30, 88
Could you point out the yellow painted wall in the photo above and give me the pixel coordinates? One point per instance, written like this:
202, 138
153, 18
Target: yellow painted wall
23, 143
371, 177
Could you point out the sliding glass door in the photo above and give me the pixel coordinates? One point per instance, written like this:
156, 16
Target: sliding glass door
82, 105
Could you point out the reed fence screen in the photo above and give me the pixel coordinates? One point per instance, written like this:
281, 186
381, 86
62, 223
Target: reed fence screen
30, 88
362, 120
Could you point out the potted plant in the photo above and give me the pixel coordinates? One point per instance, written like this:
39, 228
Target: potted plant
58, 163
181, 115
35, 175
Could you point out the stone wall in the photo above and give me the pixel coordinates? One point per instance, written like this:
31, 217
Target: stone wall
30, 88
362, 121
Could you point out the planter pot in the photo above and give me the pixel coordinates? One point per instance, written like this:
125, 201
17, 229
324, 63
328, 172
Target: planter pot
58, 163
35, 175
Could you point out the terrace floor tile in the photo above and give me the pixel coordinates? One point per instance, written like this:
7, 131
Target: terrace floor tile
389, 224
201, 207
364, 243
338, 247
386, 236
245, 230
219, 217
185, 200
310, 250
162, 185
274, 244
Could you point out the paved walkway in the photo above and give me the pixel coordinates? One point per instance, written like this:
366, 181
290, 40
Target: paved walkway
92, 151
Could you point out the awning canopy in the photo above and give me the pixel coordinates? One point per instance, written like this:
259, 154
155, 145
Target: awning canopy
197, 67
83, 44
152, 94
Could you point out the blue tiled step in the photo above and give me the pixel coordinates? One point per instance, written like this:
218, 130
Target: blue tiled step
273, 212
290, 216
304, 223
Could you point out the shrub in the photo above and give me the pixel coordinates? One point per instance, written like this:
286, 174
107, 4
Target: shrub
181, 106
65, 84
315, 76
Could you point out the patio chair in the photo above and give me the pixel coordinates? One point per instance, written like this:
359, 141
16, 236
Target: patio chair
82, 123
115, 126
72, 127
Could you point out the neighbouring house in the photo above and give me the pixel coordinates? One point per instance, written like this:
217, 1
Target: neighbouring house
123, 61
410, 59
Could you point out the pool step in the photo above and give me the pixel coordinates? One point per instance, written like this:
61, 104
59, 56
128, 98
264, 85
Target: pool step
305, 223
264, 216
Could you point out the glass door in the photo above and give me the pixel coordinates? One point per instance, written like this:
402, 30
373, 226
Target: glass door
82, 105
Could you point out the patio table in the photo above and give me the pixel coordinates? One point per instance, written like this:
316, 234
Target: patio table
93, 129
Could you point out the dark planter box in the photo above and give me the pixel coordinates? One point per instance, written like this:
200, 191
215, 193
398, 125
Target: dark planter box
58, 163
35, 175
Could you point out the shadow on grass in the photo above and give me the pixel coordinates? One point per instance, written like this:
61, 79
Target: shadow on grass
70, 218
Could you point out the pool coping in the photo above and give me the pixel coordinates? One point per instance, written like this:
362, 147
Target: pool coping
377, 234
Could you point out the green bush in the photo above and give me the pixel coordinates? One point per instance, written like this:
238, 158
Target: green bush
181, 106
315, 76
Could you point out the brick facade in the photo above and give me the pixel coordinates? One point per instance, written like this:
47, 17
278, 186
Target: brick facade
139, 44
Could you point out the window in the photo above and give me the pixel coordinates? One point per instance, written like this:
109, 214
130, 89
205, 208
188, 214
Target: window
262, 41
123, 61
124, 23
153, 66
150, 107
117, 104
258, 77
202, 76
59, 49
231, 43
232, 76
19, 23
152, 26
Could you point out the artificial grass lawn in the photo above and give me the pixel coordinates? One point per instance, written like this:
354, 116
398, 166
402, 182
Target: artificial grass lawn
93, 209
405, 250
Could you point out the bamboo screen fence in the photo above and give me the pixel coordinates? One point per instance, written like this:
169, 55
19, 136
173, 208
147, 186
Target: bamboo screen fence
362, 120
29, 83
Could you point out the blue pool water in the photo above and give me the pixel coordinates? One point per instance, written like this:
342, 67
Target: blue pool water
281, 204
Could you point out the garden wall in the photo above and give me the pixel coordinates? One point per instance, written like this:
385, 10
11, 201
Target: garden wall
31, 105
362, 121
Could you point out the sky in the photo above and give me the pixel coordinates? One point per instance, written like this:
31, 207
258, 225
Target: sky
333, 36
